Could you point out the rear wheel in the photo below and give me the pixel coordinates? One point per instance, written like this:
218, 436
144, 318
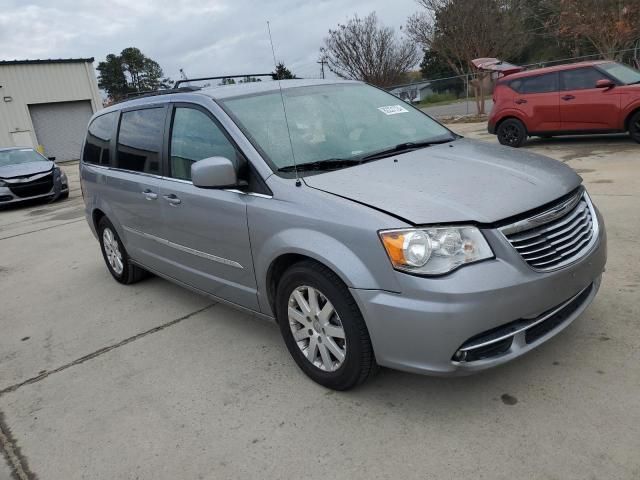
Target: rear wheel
115, 255
634, 127
512, 133
322, 327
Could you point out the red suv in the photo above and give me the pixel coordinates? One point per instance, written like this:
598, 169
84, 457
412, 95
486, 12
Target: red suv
581, 98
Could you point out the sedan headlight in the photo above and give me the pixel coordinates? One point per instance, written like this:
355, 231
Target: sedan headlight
3, 183
436, 250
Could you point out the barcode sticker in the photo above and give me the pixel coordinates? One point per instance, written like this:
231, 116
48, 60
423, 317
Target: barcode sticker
393, 109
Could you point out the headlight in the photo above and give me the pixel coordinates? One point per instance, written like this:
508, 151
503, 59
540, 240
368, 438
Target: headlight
434, 251
3, 183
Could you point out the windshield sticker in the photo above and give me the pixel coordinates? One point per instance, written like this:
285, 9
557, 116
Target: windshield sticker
393, 109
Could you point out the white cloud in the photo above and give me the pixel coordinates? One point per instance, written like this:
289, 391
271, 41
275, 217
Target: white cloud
219, 37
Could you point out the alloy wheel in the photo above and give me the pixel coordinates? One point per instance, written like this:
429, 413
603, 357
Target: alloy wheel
316, 328
510, 134
112, 251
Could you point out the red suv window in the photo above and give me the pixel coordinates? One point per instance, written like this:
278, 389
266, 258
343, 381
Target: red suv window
581, 78
537, 84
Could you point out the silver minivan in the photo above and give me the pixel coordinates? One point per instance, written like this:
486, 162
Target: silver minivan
369, 232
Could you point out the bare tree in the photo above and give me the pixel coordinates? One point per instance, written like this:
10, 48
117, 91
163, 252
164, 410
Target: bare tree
460, 30
610, 26
365, 50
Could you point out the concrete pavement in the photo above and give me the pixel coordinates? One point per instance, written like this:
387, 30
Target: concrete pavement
103, 381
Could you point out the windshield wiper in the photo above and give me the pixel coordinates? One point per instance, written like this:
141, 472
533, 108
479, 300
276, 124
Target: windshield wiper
404, 147
327, 164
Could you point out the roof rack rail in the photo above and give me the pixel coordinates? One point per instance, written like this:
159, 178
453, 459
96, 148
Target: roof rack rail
187, 80
165, 91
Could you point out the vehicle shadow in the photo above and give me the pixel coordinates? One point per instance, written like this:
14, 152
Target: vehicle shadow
609, 140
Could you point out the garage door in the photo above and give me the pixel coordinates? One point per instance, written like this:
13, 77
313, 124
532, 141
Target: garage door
61, 126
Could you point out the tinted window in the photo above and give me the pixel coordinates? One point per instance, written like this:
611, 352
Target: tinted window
96, 150
195, 136
539, 84
581, 78
140, 140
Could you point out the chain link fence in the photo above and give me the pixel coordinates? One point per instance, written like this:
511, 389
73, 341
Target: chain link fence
457, 95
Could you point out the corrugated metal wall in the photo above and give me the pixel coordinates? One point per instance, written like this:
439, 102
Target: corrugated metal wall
28, 84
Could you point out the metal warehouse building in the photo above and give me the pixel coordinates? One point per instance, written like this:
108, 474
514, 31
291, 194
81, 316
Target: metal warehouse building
48, 103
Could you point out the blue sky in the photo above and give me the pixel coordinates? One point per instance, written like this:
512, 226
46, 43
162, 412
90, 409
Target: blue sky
212, 37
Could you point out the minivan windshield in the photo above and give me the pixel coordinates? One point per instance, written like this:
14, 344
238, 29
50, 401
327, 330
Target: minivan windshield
340, 124
625, 74
22, 155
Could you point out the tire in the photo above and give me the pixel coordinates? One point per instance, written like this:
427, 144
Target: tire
634, 127
64, 196
512, 133
122, 271
327, 369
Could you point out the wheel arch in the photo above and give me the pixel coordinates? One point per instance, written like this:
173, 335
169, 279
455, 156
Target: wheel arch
627, 120
276, 269
96, 216
293, 245
511, 116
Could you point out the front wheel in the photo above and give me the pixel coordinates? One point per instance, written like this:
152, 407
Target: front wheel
512, 133
634, 127
322, 327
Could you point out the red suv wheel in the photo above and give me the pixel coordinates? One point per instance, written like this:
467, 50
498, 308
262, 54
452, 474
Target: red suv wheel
512, 133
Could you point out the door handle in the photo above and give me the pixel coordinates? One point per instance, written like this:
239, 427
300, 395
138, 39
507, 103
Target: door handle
172, 199
149, 195
568, 97
521, 101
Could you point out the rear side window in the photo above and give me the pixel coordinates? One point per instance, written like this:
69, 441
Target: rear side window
194, 136
538, 84
96, 148
140, 140
581, 78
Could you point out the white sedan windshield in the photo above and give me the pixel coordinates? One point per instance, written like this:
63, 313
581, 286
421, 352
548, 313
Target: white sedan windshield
22, 155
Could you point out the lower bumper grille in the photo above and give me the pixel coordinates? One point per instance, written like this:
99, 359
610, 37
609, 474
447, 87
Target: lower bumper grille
31, 189
498, 341
541, 329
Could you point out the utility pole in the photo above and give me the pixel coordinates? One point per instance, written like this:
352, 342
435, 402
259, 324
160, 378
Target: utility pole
322, 62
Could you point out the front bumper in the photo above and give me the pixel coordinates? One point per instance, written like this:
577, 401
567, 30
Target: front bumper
60, 186
421, 329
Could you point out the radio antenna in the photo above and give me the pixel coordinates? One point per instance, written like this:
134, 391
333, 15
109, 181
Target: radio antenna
284, 108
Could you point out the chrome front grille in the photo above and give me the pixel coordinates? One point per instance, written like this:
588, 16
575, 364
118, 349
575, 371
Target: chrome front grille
556, 237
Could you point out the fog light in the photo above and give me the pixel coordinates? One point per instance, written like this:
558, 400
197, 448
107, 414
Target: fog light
460, 356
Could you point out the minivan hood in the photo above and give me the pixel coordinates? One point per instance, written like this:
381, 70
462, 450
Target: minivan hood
23, 169
460, 181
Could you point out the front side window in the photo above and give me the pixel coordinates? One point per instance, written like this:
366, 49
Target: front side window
624, 74
140, 140
96, 148
194, 136
581, 78
328, 122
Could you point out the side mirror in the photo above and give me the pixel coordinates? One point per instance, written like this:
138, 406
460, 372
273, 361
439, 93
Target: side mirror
214, 172
605, 83
53, 159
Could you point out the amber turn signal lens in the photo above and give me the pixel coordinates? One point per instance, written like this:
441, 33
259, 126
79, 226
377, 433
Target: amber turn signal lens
394, 245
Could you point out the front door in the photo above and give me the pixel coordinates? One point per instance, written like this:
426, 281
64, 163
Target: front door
206, 229
585, 107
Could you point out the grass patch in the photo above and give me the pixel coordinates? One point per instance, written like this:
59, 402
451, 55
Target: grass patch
438, 99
